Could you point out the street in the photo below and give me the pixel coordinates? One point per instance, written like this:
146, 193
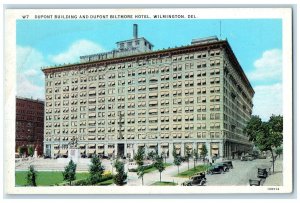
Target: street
238, 176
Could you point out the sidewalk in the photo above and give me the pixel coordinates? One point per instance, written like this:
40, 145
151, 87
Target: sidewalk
167, 175
276, 178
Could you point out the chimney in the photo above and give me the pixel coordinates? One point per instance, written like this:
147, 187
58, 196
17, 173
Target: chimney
135, 31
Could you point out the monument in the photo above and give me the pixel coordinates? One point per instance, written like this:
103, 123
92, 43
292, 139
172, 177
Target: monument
73, 152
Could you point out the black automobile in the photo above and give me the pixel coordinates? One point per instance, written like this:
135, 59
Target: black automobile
262, 173
228, 163
216, 169
224, 166
196, 180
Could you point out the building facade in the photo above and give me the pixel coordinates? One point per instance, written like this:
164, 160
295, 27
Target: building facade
30, 124
173, 99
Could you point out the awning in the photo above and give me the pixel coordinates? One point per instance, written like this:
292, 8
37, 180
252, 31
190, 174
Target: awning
110, 150
82, 150
81, 145
215, 146
164, 144
100, 145
100, 151
141, 145
153, 102
200, 146
152, 145
177, 146
64, 151
214, 151
56, 151
92, 145
92, 137
91, 151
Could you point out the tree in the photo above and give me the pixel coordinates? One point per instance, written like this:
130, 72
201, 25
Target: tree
141, 173
70, 172
159, 165
31, 176
266, 135
203, 151
177, 159
254, 126
195, 156
188, 155
152, 155
139, 159
30, 151
96, 170
22, 150
279, 151
121, 176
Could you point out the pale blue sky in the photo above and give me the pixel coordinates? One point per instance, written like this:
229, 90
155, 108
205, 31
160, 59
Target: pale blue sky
257, 45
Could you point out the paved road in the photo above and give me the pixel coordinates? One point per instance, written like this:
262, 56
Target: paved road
240, 174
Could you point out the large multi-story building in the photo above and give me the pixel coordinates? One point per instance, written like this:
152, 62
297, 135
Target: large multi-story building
171, 99
29, 124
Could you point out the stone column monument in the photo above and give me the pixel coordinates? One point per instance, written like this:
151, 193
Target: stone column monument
74, 151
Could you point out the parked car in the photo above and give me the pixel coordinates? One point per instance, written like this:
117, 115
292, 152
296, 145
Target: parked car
217, 169
196, 180
47, 156
262, 156
228, 163
247, 158
262, 173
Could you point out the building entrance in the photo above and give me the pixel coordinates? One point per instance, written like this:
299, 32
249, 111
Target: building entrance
121, 150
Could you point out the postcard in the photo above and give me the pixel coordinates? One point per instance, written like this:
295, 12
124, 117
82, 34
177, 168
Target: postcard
148, 101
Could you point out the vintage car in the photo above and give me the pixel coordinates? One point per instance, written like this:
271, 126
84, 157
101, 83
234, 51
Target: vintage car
196, 180
217, 169
228, 163
262, 173
247, 158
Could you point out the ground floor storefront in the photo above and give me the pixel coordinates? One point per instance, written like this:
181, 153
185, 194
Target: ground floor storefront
229, 149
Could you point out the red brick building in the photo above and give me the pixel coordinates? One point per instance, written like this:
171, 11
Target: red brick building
29, 123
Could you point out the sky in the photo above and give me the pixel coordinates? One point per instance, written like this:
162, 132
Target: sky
257, 44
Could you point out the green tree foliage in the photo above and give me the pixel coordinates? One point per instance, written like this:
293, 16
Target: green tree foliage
177, 159
254, 126
96, 170
203, 152
195, 156
141, 173
70, 172
266, 135
31, 176
279, 151
159, 165
188, 155
30, 151
22, 150
152, 155
139, 159
121, 176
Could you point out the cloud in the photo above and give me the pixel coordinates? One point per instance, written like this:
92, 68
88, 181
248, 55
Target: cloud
267, 100
268, 67
30, 81
77, 49
27, 88
31, 72
29, 59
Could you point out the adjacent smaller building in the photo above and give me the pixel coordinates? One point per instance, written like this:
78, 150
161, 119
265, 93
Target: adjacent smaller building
29, 124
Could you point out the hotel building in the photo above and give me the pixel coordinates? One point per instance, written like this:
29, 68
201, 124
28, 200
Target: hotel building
29, 124
172, 99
